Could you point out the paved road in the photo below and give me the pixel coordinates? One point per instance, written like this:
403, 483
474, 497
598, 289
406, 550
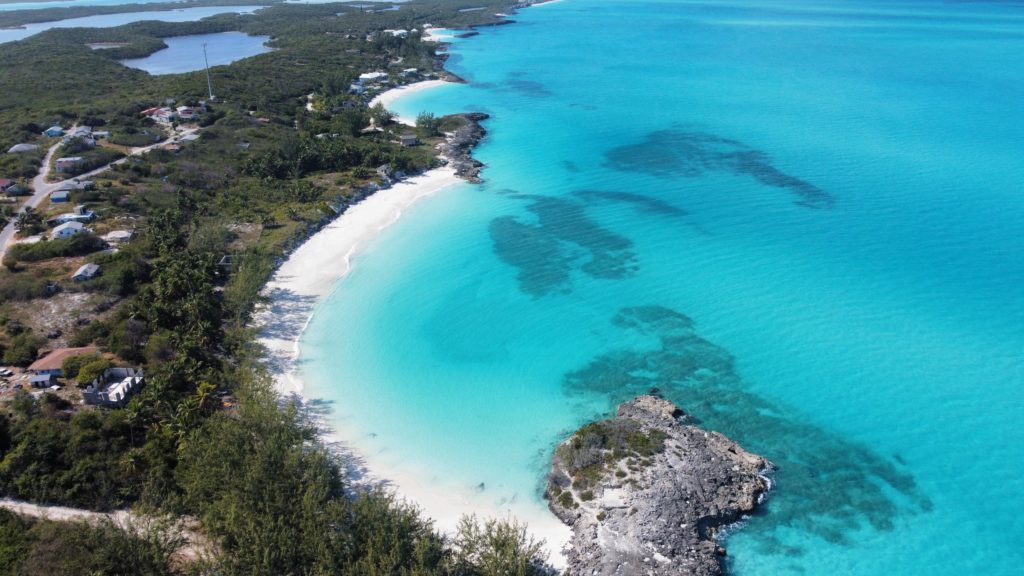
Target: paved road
42, 189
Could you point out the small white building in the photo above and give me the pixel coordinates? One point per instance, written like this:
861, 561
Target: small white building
114, 387
86, 272
372, 77
67, 230
118, 236
18, 148
81, 214
187, 113
397, 33
69, 163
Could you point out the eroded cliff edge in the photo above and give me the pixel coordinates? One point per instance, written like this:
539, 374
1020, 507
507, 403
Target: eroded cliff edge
646, 493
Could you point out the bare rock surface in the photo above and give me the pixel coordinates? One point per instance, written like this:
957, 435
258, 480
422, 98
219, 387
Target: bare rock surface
458, 146
646, 494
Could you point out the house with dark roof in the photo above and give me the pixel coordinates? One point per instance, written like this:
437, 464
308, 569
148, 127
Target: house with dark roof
69, 163
16, 190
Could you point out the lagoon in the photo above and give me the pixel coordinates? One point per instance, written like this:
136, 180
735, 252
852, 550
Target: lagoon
185, 53
9, 7
801, 223
112, 20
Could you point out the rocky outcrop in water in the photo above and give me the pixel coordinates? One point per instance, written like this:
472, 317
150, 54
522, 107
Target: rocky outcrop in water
646, 494
458, 146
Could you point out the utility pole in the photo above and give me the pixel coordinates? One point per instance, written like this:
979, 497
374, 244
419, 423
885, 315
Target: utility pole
209, 83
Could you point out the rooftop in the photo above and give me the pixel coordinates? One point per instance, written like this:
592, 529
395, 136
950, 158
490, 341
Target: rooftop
54, 360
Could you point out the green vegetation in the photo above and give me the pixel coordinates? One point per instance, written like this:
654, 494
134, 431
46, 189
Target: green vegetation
22, 349
601, 446
78, 245
78, 549
207, 436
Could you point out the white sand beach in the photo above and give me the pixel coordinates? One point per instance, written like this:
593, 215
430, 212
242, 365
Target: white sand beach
304, 280
435, 35
311, 272
388, 98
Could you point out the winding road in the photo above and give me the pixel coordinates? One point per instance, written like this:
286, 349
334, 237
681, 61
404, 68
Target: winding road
42, 189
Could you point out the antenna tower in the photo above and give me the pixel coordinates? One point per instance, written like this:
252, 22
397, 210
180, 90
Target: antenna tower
209, 83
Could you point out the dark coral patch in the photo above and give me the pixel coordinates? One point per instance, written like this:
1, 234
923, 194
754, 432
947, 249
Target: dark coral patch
563, 239
827, 485
678, 153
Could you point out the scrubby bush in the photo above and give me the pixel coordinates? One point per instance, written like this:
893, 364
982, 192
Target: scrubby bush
93, 369
71, 365
78, 245
22, 349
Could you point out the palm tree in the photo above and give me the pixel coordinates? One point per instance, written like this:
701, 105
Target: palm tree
28, 219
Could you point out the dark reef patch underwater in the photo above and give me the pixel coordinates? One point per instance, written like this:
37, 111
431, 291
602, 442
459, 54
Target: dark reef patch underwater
547, 252
826, 486
680, 153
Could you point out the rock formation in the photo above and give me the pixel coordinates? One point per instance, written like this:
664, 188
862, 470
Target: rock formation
458, 146
646, 494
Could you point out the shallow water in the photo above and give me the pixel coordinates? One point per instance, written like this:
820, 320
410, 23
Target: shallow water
112, 20
185, 53
801, 221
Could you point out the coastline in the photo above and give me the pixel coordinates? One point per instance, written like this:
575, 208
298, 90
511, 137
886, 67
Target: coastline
303, 281
389, 97
311, 272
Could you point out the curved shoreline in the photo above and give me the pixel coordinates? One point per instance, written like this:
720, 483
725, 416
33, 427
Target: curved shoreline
389, 97
309, 275
312, 271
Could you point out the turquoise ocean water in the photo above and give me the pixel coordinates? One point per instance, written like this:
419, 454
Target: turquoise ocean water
802, 221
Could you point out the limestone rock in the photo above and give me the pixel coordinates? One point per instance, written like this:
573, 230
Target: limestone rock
646, 494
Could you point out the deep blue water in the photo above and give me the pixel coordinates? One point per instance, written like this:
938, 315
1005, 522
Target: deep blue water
185, 53
802, 221
112, 20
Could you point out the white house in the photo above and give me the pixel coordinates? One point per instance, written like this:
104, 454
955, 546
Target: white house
81, 214
187, 113
86, 272
162, 115
67, 230
371, 77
